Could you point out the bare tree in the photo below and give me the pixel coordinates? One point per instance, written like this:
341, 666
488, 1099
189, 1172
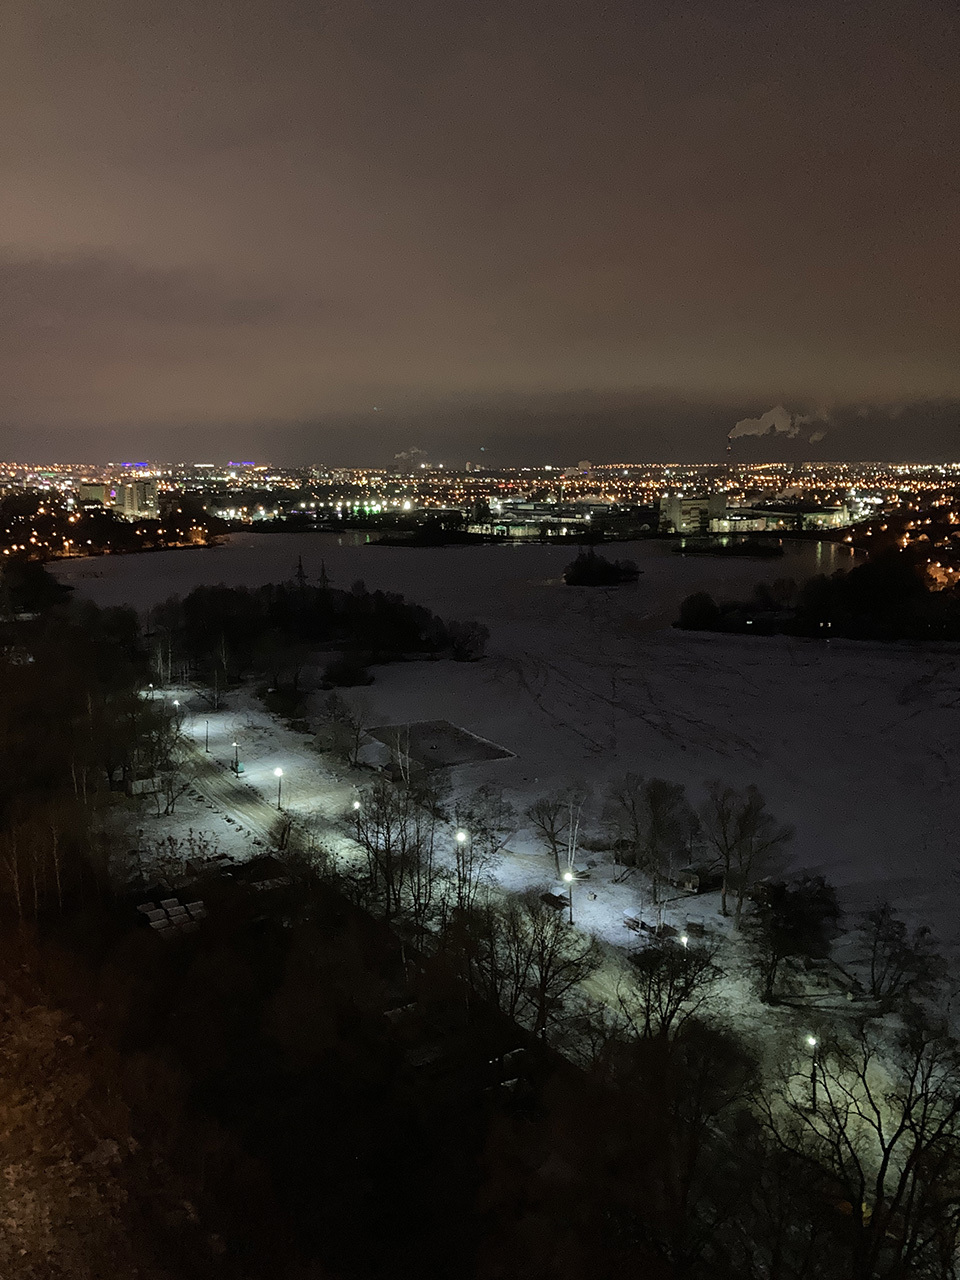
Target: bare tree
685, 1095
527, 959
781, 1223
548, 816
799, 919
177, 776
139, 736
562, 959
401, 761
898, 963
213, 689
41, 855
556, 818
56, 857
308, 858
398, 837
14, 866
880, 1124
345, 727
425, 879
664, 986
653, 826
627, 814
576, 799
485, 822
746, 839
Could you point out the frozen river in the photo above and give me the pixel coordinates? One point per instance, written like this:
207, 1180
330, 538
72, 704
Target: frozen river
488, 582
854, 744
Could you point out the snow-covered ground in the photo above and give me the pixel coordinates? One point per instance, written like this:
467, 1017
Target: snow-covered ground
854, 744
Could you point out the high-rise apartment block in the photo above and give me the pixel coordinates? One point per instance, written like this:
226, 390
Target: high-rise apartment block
137, 500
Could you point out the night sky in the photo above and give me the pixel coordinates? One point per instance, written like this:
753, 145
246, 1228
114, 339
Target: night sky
337, 231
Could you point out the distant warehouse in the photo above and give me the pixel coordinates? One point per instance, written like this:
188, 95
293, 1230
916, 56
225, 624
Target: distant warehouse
710, 514
797, 517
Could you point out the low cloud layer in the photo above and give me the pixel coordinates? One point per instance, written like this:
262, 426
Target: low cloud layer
507, 432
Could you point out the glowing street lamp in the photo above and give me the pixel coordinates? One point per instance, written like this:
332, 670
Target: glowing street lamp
236, 757
813, 1044
684, 940
461, 837
278, 774
570, 877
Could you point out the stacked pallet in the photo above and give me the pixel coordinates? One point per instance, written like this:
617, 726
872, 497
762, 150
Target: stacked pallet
171, 917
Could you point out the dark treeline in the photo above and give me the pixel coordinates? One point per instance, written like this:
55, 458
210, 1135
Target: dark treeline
750, 547
74, 731
223, 634
139, 1078
887, 598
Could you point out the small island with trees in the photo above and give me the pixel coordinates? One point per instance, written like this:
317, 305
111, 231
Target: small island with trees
591, 570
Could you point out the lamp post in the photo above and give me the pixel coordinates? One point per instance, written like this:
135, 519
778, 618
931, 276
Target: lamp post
465, 885
236, 757
278, 774
206, 736
813, 1044
570, 877
356, 817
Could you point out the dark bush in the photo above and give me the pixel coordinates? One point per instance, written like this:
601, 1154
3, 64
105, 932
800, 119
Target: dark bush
283, 700
346, 672
699, 612
468, 640
591, 570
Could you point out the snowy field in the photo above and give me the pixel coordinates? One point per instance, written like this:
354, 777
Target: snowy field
854, 744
